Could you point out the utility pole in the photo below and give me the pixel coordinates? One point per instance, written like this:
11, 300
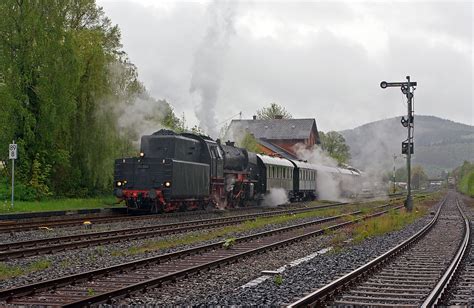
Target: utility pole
407, 88
393, 175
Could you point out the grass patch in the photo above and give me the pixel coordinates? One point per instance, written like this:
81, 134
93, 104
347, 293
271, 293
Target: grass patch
8, 271
278, 279
392, 221
66, 263
57, 205
229, 243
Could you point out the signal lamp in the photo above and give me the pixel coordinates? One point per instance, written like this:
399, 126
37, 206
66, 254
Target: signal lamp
119, 183
383, 84
167, 184
142, 154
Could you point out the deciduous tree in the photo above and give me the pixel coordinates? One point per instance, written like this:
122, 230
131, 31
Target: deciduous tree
335, 145
272, 112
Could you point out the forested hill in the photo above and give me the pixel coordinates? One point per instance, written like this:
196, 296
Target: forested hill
439, 144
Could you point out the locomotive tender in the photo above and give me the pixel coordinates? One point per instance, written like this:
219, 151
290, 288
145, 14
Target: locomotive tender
188, 171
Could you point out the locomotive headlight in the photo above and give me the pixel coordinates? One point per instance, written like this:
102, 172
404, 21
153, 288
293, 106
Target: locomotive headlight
167, 184
142, 154
119, 183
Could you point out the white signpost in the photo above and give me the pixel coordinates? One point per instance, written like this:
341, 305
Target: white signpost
13, 154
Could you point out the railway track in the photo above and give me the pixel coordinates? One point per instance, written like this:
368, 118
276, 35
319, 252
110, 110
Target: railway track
103, 285
56, 244
8, 226
461, 288
413, 274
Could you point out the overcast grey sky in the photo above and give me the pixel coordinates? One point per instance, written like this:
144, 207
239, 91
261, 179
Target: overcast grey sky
321, 59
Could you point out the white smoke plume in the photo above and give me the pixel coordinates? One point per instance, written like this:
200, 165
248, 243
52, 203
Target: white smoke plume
208, 59
235, 134
277, 196
142, 116
314, 156
137, 113
327, 186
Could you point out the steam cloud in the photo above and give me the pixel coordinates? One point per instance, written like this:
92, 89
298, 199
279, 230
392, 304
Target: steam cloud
138, 114
327, 187
208, 59
142, 116
277, 196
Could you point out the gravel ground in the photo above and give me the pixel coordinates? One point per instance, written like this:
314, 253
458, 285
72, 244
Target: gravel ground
224, 286
124, 224
73, 261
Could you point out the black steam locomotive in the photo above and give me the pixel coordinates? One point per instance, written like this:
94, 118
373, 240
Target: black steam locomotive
187, 172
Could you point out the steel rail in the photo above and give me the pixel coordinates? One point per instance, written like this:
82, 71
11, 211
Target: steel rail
14, 226
107, 296
19, 225
438, 292
49, 245
322, 294
62, 281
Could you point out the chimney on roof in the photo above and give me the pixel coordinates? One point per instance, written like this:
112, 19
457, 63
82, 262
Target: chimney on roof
278, 116
254, 117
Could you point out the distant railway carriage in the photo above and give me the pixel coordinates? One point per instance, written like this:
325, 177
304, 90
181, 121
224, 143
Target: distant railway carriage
188, 172
277, 173
304, 181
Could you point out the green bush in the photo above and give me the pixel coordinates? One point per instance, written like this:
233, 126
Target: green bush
22, 192
466, 185
465, 178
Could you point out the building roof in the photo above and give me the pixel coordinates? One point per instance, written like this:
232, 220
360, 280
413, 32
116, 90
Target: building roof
275, 128
276, 149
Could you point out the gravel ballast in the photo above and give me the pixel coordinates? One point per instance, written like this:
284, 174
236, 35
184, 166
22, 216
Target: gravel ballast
224, 286
85, 259
145, 221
